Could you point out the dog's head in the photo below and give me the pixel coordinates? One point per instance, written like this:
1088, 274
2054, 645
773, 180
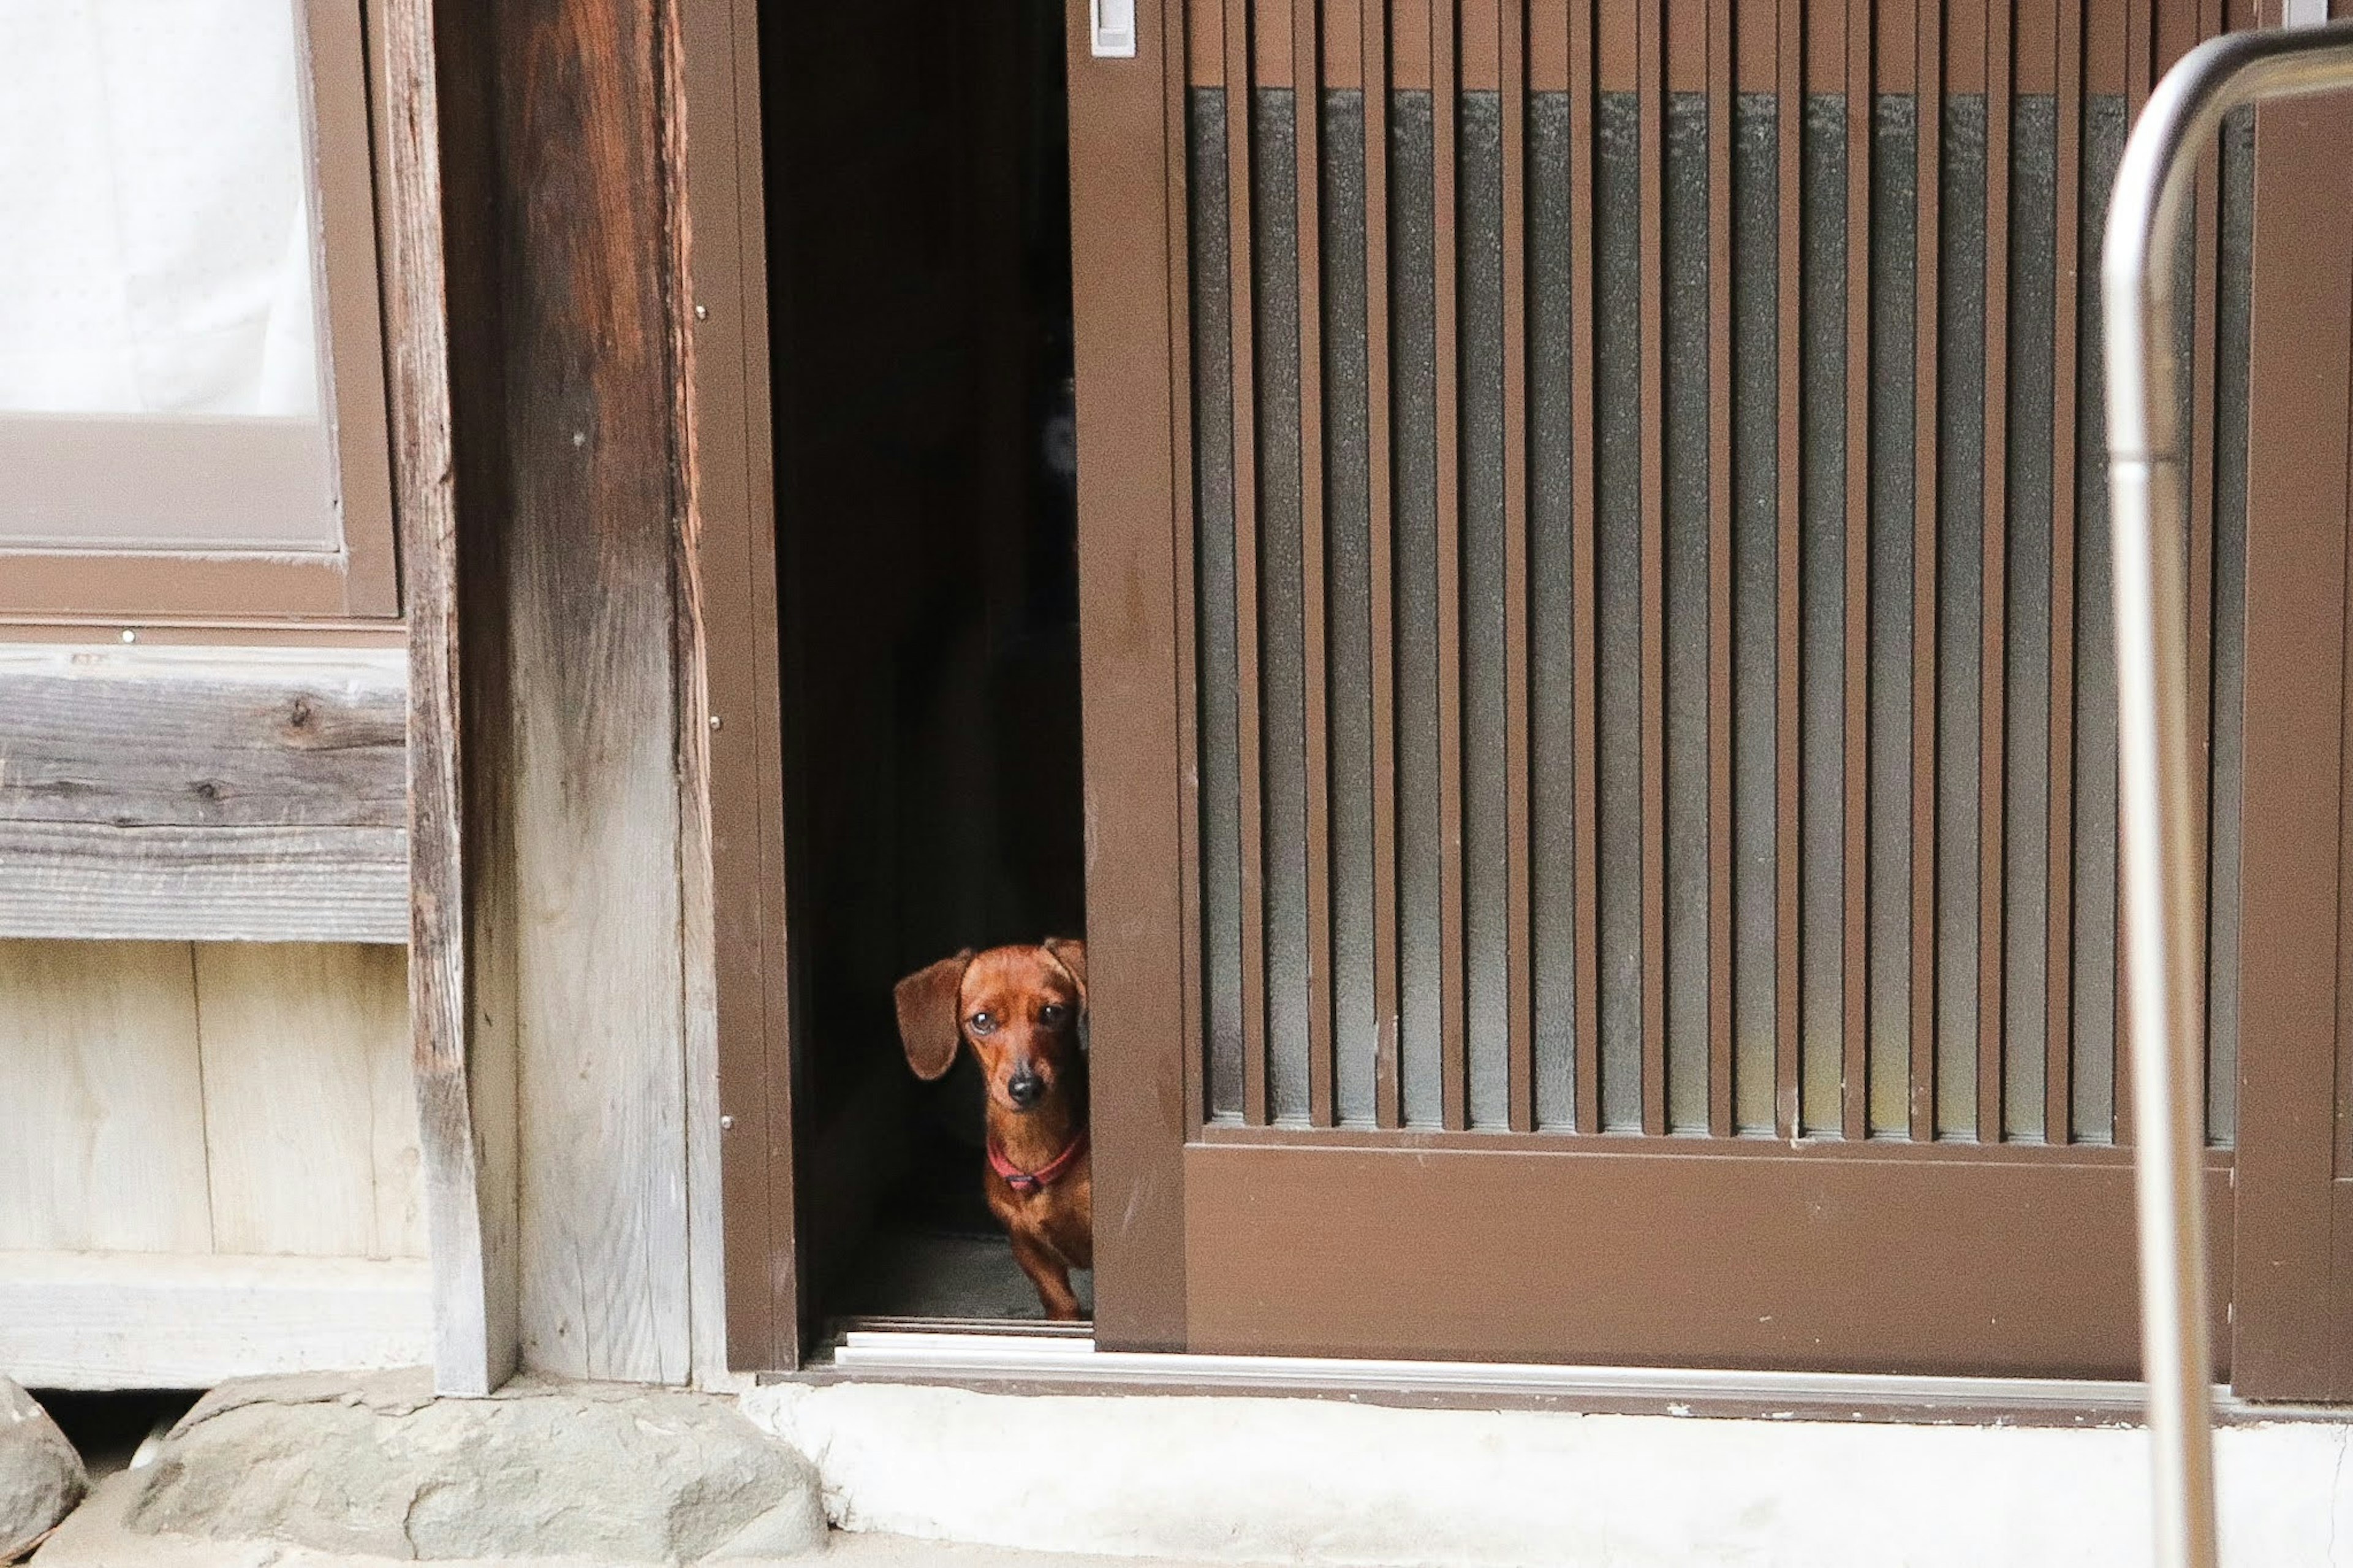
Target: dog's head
1019, 1008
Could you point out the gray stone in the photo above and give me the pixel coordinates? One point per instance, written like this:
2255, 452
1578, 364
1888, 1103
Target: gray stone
377, 1466
41, 1477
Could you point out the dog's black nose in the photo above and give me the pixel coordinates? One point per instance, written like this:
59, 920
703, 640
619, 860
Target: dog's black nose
1025, 1088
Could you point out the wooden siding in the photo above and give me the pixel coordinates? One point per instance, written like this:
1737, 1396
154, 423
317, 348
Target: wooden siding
209, 1165
200, 1097
203, 794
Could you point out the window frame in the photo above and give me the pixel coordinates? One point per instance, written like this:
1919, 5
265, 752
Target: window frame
357, 581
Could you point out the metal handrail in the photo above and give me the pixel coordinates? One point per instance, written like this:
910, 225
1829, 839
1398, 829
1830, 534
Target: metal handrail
2163, 930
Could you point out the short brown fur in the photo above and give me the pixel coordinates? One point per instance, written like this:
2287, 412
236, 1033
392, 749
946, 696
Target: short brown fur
1022, 1011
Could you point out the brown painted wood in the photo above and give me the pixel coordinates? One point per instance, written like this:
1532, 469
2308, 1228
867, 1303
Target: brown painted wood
1239, 172
1387, 1071
1123, 167
1652, 107
1585, 634
2200, 21
1884, 1259
746, 1307
1307, 99
1994, 579
1790, 62
2288, 1332
1512, 45
1182, 30
2058, 1016
1720, 42
1927, 243
1855, 1120
1454, 1035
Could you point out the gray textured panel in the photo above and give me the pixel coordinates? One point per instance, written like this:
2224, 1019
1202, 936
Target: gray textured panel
1960, 482
2026, 795
1552, 825
1821, 616
1213, 501
1894, 218
1756, 480
2093, 1059
1283, 710
2230, 371
1413, 391
1618, 384
1347, 501
1486, 908
1687, 607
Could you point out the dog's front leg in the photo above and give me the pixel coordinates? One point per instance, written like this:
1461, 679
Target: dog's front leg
1050, 1274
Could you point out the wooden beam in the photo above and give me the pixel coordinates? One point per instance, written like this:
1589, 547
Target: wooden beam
204, 737
461, 966
156, 1319
538, 456
206, 884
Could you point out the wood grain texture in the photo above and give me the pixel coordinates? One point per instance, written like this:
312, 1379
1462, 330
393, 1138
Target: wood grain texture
461, 970
588, 733
310, 1111
230, 884
730, 805
96, 1320
104, 1141
202, 737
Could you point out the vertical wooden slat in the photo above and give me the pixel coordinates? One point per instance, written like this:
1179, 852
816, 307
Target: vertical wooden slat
1307, 110
1928, 239
2058, 1051
1585, 418
1720, 1118
1454, 1054
1993, 578
1190, 35
1790, 60
1855, 1095
2205, 234
1239, 76
1388, 1071
2140, 49
1651, 57
1517, 716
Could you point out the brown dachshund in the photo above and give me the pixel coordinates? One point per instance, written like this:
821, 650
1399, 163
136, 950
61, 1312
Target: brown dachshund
1019, 1009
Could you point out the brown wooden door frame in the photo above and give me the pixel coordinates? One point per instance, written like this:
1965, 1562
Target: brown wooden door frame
1135, 620
2294, 1296
729, 730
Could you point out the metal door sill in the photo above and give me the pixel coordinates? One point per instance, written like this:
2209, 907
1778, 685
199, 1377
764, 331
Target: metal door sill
1065, 1360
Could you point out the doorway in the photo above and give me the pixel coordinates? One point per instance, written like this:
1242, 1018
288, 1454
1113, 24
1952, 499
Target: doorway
920, 298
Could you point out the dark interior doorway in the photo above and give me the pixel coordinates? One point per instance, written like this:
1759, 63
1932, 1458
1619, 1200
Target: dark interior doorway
919, 277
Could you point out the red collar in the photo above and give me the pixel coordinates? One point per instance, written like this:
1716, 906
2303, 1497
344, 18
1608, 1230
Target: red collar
1027, 1182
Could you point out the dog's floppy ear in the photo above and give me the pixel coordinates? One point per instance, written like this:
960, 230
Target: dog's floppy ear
1071, 954
928, 1025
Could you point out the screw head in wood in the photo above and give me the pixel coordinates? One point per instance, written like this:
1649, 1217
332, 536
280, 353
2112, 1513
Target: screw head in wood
726, 1123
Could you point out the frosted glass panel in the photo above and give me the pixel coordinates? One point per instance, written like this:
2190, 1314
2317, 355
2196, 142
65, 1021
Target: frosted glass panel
157, 277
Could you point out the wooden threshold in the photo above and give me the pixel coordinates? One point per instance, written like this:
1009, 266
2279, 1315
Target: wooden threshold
979, 1357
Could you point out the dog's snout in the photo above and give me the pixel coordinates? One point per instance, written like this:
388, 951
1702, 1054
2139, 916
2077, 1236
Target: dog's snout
1025, 1088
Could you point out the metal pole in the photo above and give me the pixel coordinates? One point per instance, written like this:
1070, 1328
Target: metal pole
2164, 930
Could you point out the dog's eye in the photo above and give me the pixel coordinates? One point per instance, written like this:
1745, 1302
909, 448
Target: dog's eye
983, 1023
1050, 1014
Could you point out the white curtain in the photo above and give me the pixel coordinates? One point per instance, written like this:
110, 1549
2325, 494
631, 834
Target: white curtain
156, 230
